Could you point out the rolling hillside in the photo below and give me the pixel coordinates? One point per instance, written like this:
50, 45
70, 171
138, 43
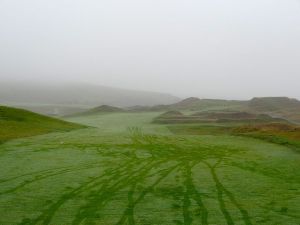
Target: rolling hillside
126, 170
62, 99
175, 117
280, 107
98, 110
271, 104
17, 123
197, 104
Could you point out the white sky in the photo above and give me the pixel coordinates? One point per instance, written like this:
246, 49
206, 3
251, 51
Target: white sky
207, 48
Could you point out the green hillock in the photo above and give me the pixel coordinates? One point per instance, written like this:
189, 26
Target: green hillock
270, 104
99, 110
17, 123
173, 117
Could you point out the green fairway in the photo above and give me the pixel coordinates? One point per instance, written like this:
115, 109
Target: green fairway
124, 169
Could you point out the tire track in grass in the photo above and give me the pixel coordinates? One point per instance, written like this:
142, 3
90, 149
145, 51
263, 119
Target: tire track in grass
274, 174
131, 206
102, 199
104, 188
194, 193
128, 214
187, 219
46, 217
112, 186
143, 194
222, 190
243, 212
220, 193
45, 176
41, 172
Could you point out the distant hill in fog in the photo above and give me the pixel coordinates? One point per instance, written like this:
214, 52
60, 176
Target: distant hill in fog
282, 107
51, 98
103, 109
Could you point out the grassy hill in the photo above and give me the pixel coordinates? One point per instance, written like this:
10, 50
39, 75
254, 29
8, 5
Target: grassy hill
66, 98
197, 104
17, 123
99, 110
271, 104
259, 126
287, 108
173, 117
105, 108
277, 107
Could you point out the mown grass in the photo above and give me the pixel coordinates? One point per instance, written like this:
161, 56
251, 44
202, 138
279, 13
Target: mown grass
127, 170
17, 123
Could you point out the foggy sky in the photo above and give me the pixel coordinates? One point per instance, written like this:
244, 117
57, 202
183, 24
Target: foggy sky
233, 49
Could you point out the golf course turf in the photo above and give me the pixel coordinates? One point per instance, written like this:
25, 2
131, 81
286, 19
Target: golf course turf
124, 169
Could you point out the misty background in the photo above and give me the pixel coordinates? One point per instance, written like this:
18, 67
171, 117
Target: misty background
230, 49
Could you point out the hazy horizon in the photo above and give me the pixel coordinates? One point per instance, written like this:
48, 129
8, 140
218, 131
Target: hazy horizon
55, 84
208, 49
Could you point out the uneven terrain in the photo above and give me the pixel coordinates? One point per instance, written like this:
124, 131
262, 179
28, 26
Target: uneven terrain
16, 123
124, 169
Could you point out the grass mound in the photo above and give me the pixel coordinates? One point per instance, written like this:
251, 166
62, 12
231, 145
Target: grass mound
237, 116
171, 114
17, 123
173, 117
269, 104
194, 104
106, 108
100, 109
226, 115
